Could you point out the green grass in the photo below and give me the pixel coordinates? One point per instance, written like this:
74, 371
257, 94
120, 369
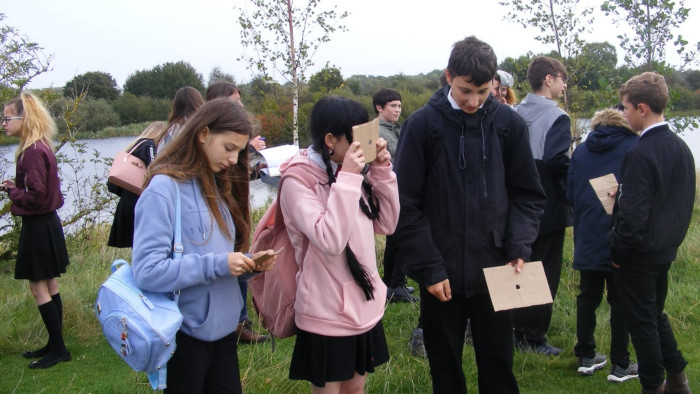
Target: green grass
97, 369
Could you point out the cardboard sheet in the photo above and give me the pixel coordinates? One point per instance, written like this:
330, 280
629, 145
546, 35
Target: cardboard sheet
605, 188
367, 134
510, 290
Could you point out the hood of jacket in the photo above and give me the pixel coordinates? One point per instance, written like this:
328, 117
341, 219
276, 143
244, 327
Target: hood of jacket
440, 102
303, 157
480, 120
609, 127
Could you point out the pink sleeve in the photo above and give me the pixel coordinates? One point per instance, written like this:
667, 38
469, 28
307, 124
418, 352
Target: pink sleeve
386, 190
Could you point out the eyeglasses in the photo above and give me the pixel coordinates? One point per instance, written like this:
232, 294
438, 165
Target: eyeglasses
560, 76
7, 119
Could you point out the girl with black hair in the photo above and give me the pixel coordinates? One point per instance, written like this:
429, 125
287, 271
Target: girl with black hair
340, 296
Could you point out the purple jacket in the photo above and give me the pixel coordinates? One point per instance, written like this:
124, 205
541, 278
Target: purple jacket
37, 188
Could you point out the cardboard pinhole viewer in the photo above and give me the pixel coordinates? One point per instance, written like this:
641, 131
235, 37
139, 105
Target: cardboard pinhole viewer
509, 289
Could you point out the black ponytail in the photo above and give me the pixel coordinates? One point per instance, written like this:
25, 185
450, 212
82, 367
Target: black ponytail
359, 273
336, 115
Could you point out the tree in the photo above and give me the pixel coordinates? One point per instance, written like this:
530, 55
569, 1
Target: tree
328, 78
217, 74
98, 84
21, 60
652, 23
163, 81
692, 78
596, 64
559, 22
284, 39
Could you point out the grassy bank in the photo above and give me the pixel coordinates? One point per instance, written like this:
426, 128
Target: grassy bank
96, 368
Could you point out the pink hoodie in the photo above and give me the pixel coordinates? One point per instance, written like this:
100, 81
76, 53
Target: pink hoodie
328, 301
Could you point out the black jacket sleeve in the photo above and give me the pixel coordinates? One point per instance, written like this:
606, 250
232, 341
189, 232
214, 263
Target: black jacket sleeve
420, 255
632, 207
526, 198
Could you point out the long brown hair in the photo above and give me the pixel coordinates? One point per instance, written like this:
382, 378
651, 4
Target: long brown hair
185, 159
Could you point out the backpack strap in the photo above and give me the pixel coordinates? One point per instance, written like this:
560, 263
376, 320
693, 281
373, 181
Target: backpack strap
178, 248
304, 177
136, 146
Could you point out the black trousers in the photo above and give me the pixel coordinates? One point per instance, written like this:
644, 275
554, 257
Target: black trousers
591, 287
443, 332
204, 367
394, 272
531, 323
643, 290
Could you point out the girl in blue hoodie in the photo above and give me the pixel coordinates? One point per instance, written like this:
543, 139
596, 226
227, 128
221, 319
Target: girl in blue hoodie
207, 163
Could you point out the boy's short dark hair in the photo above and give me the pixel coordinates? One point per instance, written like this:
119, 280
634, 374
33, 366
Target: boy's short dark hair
472, 58
542, 66
384, 96
649, 88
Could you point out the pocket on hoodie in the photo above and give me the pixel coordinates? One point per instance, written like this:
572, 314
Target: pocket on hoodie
356, 309
199, 313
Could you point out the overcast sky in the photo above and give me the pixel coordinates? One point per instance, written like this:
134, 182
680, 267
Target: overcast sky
384, 37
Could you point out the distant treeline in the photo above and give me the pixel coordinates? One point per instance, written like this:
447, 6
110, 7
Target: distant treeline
91, 101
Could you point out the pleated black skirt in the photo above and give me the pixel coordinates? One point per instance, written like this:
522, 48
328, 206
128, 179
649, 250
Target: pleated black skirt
42, 252
320, 359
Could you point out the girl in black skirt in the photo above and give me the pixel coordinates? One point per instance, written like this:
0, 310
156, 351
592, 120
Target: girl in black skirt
36, 195
340, 296
122, 233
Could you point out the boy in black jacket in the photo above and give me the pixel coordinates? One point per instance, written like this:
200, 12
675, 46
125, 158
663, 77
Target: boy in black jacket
470, 199
652, 213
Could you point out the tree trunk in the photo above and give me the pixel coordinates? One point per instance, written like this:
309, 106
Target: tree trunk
295, 77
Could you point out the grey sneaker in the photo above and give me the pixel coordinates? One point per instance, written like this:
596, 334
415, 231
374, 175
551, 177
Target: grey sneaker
619, 374
546, 348
586, 366
416, 346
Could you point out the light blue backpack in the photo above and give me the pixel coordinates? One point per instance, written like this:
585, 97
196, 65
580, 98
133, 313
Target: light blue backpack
141, 325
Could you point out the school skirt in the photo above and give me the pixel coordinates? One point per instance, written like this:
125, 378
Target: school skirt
320, 359
42, 252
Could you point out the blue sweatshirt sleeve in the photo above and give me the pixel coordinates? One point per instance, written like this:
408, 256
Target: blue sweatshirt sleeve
153, 265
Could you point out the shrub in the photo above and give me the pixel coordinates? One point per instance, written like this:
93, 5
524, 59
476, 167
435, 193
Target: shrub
91, 115
136, 109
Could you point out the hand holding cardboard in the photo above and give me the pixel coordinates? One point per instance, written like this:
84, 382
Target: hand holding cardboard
509, 289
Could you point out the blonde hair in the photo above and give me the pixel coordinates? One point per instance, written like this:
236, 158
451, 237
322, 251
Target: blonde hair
511, 97
37, 123
153, 131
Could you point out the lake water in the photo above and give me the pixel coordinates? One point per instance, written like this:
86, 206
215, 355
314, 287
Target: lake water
74, 189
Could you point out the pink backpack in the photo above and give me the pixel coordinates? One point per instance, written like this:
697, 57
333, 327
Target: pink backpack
274, 291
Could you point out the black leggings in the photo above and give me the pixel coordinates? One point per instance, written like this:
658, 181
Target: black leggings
204, 367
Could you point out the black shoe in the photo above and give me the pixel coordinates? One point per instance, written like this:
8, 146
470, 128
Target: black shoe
399, 294
50, 360
410, 289
416, 346
37, 353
